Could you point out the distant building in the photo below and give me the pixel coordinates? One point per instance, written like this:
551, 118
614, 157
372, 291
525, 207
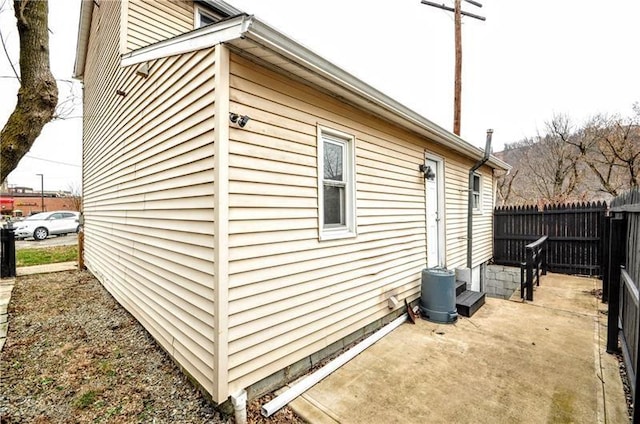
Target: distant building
19, 200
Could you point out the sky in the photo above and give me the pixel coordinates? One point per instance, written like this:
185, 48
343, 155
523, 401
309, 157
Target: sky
528, 61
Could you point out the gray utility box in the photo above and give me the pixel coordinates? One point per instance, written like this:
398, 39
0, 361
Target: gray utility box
438, 295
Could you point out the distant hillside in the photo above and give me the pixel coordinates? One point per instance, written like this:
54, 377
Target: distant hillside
594, 162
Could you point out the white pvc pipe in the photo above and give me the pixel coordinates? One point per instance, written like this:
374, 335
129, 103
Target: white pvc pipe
239, 401
309, 381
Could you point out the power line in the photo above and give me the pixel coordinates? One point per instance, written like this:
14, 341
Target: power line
53, 161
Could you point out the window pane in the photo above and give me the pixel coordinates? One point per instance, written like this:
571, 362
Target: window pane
476, 201
333, 161
206, 20
334, 205
476, 183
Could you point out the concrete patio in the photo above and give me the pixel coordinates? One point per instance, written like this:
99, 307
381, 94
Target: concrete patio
512, 362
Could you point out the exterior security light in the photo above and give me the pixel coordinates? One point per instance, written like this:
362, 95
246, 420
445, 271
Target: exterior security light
241, 120
428, 172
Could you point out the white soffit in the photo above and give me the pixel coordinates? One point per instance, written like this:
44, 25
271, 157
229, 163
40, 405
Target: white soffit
199, 39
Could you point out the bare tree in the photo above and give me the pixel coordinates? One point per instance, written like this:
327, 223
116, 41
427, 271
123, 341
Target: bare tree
552, 162
596, 154
76, 196
623, 142
610, 147
505, 187
38, 93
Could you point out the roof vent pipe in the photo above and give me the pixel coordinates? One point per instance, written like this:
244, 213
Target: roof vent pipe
485, 157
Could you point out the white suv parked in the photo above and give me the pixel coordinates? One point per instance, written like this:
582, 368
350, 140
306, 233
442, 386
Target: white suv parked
42, 225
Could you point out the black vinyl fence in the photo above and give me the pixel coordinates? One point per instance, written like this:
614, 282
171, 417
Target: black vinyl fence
575, 236
622, 281
7, 253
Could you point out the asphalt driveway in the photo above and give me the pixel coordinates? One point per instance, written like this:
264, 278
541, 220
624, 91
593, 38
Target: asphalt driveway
512, 362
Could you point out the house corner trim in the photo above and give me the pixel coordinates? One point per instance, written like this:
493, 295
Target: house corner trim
124, 25
221, 222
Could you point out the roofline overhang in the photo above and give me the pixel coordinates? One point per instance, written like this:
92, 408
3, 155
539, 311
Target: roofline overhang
249, 27
84, 28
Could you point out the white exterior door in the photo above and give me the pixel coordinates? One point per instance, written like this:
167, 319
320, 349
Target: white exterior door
434, 215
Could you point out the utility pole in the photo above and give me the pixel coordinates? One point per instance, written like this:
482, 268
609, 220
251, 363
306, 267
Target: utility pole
457, 85
41, 192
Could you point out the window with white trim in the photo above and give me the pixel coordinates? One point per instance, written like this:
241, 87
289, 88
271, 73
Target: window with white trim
336, 184
205, 17
476, 192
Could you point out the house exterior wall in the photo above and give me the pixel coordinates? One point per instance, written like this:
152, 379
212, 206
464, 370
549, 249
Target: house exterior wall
153, 190
291, 294
148, 181
150, 21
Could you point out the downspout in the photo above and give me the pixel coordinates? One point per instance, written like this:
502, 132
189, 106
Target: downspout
487, 153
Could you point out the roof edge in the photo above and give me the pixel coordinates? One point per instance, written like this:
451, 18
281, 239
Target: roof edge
208, 36
274, 39
241, 26
84, 28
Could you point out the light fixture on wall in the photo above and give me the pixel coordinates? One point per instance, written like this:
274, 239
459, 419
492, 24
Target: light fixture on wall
428, 172
143, 70
241, 120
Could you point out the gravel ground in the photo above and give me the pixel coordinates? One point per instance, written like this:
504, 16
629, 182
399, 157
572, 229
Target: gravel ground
73, 355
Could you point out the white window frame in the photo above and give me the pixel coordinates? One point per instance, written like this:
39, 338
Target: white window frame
477, 209
198, 11
349, 229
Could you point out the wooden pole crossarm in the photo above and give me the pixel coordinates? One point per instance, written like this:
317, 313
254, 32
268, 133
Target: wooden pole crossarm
451, 9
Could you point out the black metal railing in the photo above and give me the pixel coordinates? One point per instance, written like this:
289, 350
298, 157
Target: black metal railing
7, 253
535, 263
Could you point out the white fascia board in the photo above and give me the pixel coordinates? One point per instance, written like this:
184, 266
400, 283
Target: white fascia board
275, 40
199, 39
84, 27
245, 26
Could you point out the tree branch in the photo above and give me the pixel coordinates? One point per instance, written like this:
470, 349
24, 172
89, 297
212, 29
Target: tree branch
38, 93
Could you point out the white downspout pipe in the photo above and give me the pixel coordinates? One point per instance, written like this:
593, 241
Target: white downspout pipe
309, 381
239, 401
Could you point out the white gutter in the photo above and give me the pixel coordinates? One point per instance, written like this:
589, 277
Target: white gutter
249, 27
309, 381
227, 30
275, 40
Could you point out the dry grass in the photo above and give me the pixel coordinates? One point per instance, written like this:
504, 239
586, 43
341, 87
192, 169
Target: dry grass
73, 355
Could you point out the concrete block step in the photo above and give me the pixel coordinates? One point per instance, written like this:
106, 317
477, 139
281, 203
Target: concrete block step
468, 302
461, 286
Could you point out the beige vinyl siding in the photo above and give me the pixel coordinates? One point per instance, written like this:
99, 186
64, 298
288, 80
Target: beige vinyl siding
291, 294
150, 21
148, 183
483, 223
456, 209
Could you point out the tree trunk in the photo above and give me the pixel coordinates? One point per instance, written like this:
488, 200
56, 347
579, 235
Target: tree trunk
38, 93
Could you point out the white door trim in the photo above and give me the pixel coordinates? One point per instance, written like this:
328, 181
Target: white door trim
442, 253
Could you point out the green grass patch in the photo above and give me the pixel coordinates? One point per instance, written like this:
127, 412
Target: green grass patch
46, 255
86, 399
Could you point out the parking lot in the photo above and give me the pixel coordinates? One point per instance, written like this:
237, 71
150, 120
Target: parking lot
50, 241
